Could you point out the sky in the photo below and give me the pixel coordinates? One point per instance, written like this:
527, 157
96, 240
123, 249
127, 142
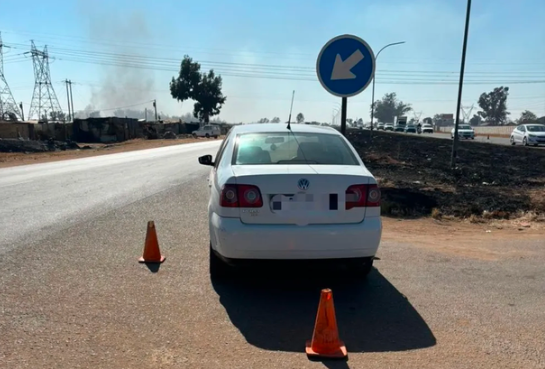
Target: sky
124, 53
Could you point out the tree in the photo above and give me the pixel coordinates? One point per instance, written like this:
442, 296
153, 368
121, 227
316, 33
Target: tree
475, 120
541, 120
263, 120
349, 122
527, 117
389, 107
275, 120
203, 88
494, 106
300, 118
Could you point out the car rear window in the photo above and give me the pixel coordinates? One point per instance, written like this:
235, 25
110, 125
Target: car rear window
292, 148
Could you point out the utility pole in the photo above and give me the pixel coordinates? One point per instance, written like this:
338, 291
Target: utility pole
72, 102
460, 86
467, 113
44, 98
67, 82
155, 107
417, 116
8, 106
373, 93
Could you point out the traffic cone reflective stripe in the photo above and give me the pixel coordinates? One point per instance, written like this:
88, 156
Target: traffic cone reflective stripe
152, 254
325, 338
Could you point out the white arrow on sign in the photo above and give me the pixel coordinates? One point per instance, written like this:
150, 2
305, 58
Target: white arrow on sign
341, 69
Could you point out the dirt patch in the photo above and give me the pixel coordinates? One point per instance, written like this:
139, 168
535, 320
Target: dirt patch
490, 181
482, 241
10, 159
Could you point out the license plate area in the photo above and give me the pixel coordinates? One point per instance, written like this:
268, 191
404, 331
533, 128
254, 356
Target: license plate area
282, 203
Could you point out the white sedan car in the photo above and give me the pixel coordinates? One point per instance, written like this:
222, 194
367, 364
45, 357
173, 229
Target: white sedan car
528, 134
464, 131
427, 128
291, 194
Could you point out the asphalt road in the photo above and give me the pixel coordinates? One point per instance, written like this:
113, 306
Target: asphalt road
73, 295
491, 140
40, 199
485, 139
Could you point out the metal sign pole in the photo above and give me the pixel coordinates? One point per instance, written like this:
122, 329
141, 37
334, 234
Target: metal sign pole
343, 115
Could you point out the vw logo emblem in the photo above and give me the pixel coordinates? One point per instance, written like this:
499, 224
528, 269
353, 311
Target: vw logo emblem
303, 184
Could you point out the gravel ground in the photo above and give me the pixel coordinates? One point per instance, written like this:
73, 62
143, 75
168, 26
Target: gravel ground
78, 298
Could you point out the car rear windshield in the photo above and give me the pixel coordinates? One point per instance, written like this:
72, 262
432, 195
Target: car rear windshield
466, 127
292, 148
536, 128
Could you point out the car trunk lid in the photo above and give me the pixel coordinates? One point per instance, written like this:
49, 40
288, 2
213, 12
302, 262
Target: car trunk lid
302, 194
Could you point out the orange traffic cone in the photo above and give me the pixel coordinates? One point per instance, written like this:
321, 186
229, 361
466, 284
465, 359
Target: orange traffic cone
152, 254
325, 339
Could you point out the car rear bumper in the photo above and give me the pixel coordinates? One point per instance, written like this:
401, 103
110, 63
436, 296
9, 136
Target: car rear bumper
232, 239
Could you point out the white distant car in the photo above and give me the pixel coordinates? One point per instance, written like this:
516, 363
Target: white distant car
299, 194
427, 128
529, 134
389, 127
464, 131
207, 131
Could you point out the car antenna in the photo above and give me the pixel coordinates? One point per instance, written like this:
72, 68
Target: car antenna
291, 109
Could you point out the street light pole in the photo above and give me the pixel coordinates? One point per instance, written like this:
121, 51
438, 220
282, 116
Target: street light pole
461, 84
373, 93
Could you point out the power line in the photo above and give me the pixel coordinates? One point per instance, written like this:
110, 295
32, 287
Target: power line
300, 73
283, 54
124, 107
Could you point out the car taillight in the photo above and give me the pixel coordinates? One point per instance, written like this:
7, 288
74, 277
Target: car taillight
241, 196
359, 196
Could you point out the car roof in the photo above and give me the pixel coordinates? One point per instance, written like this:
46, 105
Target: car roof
282, 127
533, 124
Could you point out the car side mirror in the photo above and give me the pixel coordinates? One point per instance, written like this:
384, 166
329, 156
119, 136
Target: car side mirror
206, 160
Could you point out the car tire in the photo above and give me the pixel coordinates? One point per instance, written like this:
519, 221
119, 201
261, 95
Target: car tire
524, 141
512, 140
207, 135
361, 268
217, 268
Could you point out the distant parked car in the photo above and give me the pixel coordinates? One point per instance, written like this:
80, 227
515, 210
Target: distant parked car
399, 128
528, 134
207, 131
380, 126
464, 131
389, 127
410, 128
427, 128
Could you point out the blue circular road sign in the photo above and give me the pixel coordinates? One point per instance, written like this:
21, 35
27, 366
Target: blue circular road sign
345, 66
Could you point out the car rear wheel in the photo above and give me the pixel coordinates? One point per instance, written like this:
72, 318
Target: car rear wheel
217, 268
512, 140
361, 268
207, 135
